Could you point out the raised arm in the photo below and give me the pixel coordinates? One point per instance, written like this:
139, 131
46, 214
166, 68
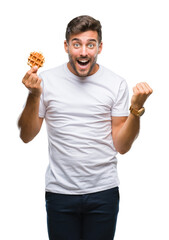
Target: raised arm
29, 122
126, 129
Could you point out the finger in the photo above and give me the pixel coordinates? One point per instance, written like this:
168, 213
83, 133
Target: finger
135, 90
26, 77
36, 87
34, 69
28, 74
30, 77
37, 83
144, 88
31, 81
140, 88
148, 87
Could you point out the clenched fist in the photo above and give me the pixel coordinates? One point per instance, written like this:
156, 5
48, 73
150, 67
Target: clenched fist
33, 82
140, 94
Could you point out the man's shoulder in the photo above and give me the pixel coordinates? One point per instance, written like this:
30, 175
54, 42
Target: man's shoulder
112, 76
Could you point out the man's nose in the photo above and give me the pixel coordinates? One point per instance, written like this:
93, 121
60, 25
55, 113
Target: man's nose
83, 51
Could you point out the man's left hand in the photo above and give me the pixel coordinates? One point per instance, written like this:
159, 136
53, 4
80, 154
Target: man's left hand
140, 94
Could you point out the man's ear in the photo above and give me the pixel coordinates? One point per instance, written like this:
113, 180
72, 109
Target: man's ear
100, 47
66, 46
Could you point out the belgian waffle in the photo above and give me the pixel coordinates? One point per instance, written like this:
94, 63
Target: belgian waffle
36, 59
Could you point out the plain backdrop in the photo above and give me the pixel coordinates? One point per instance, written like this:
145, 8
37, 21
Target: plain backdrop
136, 47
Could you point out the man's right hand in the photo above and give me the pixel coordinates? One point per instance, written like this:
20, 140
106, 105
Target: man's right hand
33, 82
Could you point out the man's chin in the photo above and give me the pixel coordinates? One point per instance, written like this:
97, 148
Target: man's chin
82, 74
85, 72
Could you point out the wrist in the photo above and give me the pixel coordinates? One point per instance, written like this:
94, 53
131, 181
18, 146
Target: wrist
34, 94
136, 106
34, 97
136, 110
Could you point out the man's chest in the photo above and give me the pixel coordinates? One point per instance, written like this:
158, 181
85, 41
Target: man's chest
78, 100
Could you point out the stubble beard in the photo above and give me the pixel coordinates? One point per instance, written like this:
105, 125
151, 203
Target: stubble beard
74, 67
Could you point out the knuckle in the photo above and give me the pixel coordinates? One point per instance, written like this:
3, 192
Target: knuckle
36, 78
28, 73
136, 93
28, 85
141, 91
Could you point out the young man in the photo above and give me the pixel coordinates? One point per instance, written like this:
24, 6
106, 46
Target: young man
85, 107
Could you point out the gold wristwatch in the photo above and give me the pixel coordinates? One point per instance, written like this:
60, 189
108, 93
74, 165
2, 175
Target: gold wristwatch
137, 113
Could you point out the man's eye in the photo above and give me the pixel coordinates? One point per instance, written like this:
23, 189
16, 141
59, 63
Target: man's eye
91, 45
76, 45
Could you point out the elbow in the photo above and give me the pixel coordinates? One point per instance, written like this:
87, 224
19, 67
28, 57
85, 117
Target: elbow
123, 150
27, 137
24, 138
21, 135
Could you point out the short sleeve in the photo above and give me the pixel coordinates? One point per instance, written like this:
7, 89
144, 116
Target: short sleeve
42, 107
121, 105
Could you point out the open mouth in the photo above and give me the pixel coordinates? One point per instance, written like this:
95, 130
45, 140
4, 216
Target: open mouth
83, 62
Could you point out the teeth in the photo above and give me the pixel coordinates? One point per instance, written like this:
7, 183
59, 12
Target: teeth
83, 61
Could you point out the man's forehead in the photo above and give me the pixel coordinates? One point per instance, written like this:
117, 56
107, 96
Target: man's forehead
88, 39
85, 36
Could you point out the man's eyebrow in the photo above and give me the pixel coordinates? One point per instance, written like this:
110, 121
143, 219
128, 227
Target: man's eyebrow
89, 40
92, 40
75, 39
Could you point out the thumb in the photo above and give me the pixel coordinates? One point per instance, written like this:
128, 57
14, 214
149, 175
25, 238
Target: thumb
34, 69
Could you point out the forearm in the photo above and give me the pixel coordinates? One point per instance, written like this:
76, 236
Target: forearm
127, 134
29, 120
125, 130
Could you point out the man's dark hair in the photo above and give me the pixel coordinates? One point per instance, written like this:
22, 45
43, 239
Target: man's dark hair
82, 24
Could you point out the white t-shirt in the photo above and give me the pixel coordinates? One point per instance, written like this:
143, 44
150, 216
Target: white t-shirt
82, 157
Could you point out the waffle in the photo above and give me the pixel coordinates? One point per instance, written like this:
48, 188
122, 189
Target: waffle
36, 59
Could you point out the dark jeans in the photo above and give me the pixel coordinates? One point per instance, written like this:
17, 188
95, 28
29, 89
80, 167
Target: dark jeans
88, 217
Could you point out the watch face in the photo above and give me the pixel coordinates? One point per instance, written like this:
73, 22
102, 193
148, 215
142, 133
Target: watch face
141, 111
137, 113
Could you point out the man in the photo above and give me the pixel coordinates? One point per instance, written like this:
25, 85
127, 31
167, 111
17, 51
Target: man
85, 107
